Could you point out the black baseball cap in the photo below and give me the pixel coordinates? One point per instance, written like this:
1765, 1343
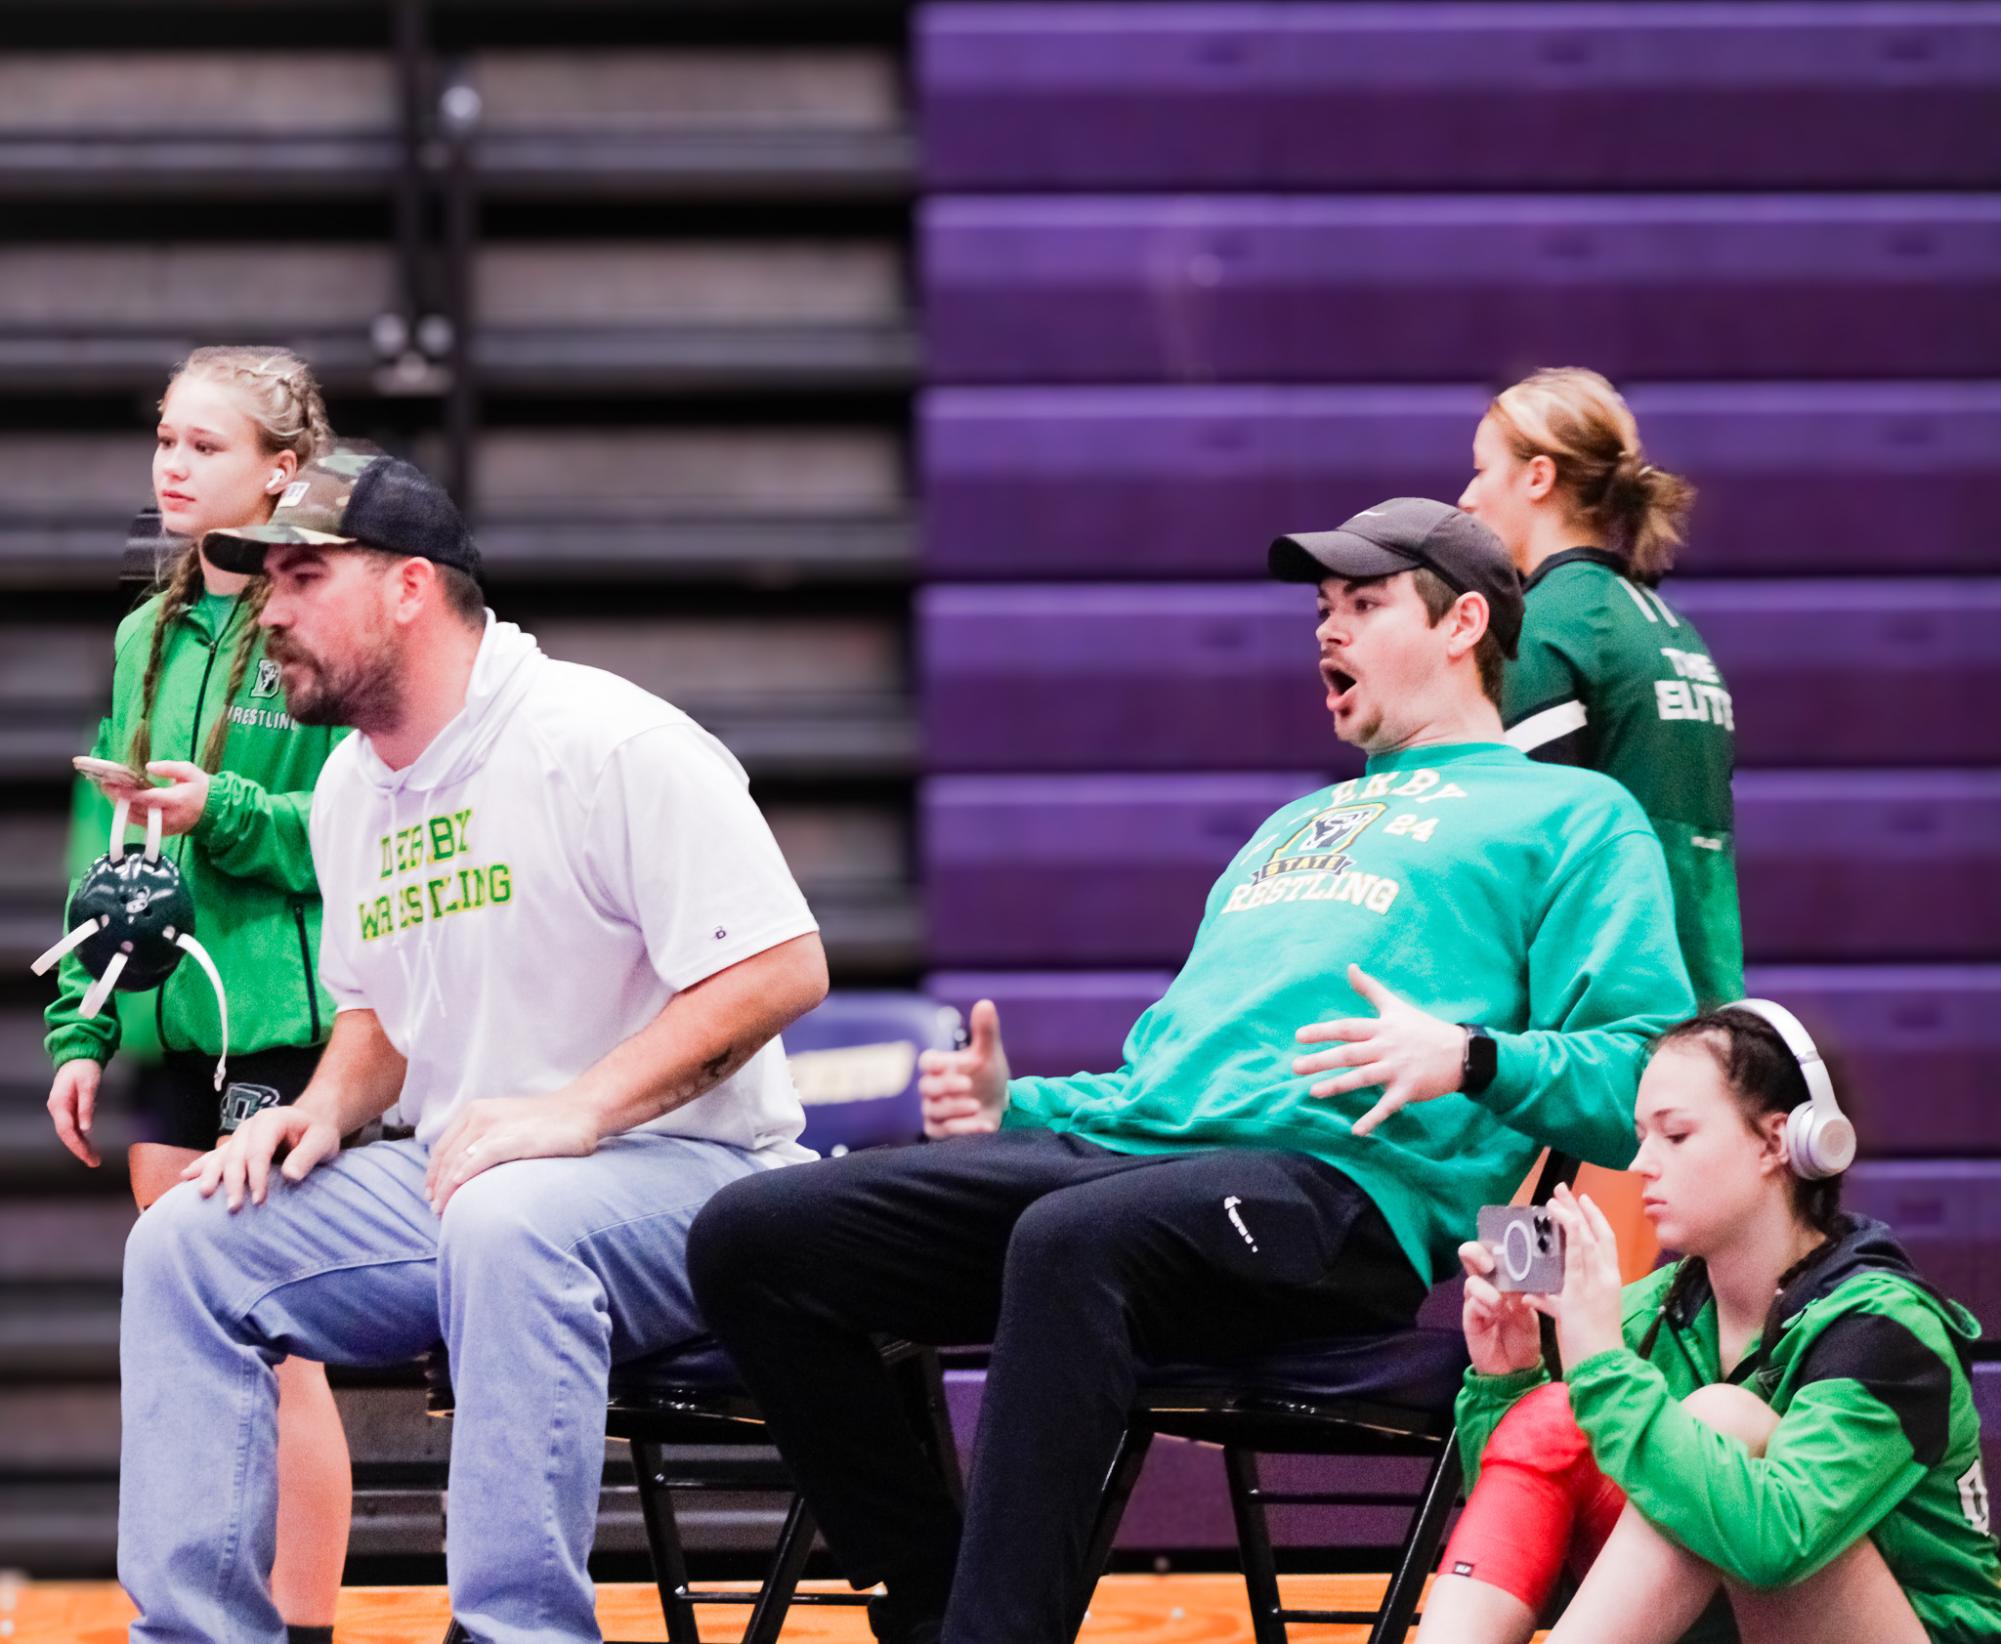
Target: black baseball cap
1402, 535
355, 498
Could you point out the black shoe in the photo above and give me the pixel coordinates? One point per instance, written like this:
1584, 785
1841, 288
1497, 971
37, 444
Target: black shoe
891, 1624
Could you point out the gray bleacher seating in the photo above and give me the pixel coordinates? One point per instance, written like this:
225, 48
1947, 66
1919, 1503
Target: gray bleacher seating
1357, 287
684, 238
795, 697
1174, 677
553, 123
1112, 870
556, 315
1184, 481
1507, 95
770, 506
607, 504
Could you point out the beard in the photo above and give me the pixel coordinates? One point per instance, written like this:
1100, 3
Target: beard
359, 690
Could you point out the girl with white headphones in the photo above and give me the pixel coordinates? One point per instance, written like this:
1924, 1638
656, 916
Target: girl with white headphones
1773, 1439
197, 709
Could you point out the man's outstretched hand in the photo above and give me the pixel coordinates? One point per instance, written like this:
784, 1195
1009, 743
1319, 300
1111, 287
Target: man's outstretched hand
965, 1091
1413, 1055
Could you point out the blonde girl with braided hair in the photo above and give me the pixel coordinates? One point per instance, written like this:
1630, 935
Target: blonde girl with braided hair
1609, 674
198, 708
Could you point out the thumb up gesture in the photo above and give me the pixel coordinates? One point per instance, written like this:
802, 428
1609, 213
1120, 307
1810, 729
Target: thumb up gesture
965, 1091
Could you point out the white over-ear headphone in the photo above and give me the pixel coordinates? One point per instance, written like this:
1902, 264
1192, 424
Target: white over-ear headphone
1820, 1141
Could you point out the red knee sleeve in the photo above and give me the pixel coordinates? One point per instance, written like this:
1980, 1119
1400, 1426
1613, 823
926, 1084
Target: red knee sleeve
1539, 1498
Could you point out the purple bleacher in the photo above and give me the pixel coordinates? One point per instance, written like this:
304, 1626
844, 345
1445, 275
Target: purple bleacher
1178, 677
1987, 1400
1916, 1044
1112, 870
1459, 96
1061, 678
1175, 482
1057, 1022
1948, 1216
1082, 870
1263, 288
1870, 866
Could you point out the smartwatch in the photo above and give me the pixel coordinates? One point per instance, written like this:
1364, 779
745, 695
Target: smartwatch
1482, 1059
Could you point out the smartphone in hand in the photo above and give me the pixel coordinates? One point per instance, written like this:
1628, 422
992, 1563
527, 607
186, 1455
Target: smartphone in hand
111, 772
1527, 1247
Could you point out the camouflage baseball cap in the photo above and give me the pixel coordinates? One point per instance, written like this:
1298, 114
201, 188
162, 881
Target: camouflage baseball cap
355, 498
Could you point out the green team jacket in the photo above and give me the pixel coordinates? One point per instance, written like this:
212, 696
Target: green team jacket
247, 860
1877, 1435
1477, 885
1612, 677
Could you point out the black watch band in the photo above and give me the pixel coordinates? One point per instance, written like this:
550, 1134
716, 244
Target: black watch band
1483, 1059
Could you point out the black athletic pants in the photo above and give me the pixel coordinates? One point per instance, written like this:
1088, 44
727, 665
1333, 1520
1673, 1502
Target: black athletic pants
1076, 1263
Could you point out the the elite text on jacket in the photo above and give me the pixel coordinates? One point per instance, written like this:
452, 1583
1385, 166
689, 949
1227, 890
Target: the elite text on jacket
1612, 677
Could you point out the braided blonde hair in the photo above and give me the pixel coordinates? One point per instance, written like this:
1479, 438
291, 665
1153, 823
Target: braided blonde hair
1582, 423
280, 395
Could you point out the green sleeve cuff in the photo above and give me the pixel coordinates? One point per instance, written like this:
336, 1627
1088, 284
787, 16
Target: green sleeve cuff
1516, 1067
1508, 1386
1601, 1376
1022, 1111
79, 1043
221, 819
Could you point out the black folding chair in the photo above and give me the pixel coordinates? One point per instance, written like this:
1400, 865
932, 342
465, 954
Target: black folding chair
1388, 1395
691, 1398
854, 1061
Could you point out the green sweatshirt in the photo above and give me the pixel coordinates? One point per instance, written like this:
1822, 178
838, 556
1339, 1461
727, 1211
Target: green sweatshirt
1477, 885
1877, 1434
247, 860
1611, 677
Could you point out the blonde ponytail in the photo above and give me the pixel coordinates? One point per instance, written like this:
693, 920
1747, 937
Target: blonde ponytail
1581, 423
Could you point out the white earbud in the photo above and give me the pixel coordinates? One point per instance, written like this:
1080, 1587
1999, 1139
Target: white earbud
1820, 1140
277, 480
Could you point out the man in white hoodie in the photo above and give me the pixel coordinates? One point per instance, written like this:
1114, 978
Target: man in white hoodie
562, 940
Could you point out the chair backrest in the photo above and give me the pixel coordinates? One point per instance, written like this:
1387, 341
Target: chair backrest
854, 1063
1558, 1169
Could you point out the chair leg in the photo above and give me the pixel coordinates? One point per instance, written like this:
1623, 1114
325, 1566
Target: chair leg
781, 1576
1420, 1547
1254, 1546
663, 1542
1119, 1481
923, 1385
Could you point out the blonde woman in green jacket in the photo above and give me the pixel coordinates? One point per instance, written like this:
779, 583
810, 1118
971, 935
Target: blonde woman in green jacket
196, 706
1774, 1439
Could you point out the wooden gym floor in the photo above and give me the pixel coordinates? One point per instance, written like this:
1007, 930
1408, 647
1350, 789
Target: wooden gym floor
1172, 1609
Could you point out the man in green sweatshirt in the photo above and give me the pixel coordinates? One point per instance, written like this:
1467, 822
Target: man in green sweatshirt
1487, 946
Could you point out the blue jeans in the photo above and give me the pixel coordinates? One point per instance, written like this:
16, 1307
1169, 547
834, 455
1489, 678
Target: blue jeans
539, 1276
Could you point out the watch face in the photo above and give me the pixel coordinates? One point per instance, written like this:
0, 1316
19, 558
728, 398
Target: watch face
1482, 1058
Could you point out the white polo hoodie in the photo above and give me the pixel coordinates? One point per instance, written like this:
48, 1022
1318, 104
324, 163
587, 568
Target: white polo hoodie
568, 854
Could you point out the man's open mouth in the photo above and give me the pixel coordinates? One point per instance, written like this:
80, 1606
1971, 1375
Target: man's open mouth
1339, 682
